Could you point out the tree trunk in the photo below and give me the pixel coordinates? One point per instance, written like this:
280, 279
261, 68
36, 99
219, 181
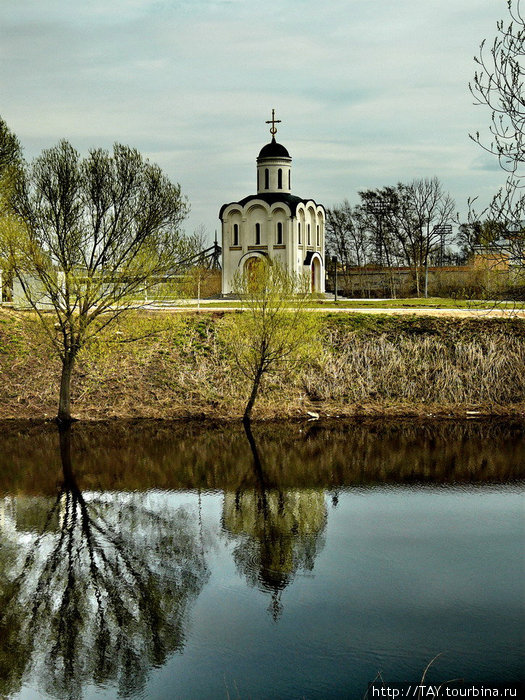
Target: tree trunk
64, 402
255, 389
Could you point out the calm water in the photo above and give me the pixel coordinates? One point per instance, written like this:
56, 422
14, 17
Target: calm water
190, 561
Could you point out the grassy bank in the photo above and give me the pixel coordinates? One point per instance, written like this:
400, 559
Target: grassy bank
178, 365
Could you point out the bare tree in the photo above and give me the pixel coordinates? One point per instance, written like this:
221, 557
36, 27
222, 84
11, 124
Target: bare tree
377, 209
346, 235
380, 212
91, 234
393, 226
498, 85
406, 224
424, 209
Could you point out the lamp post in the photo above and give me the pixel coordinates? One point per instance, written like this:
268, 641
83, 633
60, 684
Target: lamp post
334, 260
442, 231
378, 208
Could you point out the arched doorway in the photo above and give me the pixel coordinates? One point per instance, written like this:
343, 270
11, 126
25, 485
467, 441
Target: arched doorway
252, 271
315, 268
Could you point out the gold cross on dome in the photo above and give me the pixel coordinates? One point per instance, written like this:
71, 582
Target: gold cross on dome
273, 121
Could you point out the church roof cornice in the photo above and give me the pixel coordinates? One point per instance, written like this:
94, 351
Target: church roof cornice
271, 198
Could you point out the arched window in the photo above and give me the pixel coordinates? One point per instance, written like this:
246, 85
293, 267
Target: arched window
279, 233
289, 179
318, 236
309, 237
280, 179
266, 178
299, 233
257, 234
235, 234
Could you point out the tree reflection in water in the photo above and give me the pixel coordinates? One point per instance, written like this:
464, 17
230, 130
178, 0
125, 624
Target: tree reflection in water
280, 532
100, 594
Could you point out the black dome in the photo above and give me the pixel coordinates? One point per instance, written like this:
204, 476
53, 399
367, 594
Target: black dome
274, 150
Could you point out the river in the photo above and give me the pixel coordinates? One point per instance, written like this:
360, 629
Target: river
301, 560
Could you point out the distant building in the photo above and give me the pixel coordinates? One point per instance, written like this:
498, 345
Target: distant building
485, 258
273, 224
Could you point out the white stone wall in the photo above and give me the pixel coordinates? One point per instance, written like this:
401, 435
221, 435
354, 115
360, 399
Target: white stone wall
291, 253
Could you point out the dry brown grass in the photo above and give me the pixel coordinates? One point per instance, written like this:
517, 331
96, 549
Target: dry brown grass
423, 369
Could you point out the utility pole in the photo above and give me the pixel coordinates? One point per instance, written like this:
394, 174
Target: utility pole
378, 208
334, 260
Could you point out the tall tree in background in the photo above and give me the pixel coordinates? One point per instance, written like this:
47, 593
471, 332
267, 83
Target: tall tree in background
479, 234
92, 233
347, 238
406, 223
498, 85
378, 209
428, 209
346, 235
10, 151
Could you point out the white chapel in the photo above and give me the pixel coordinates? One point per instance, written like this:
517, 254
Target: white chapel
273, 224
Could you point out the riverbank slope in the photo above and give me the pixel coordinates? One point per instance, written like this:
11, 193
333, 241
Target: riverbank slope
158, 365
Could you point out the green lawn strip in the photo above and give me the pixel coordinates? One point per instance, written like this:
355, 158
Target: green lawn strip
430, 303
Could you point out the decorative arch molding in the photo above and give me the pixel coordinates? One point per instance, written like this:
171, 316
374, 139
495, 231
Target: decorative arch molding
313, 263
260, 254
255, 206
315, 210
311, 256
280, 207
230, 210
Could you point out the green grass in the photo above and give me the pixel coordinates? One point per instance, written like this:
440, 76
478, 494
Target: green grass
411, 303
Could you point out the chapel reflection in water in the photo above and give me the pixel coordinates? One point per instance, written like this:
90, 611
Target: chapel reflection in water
99, 593
278, 531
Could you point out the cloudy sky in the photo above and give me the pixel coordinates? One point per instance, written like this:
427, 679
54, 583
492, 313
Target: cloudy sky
369, 93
